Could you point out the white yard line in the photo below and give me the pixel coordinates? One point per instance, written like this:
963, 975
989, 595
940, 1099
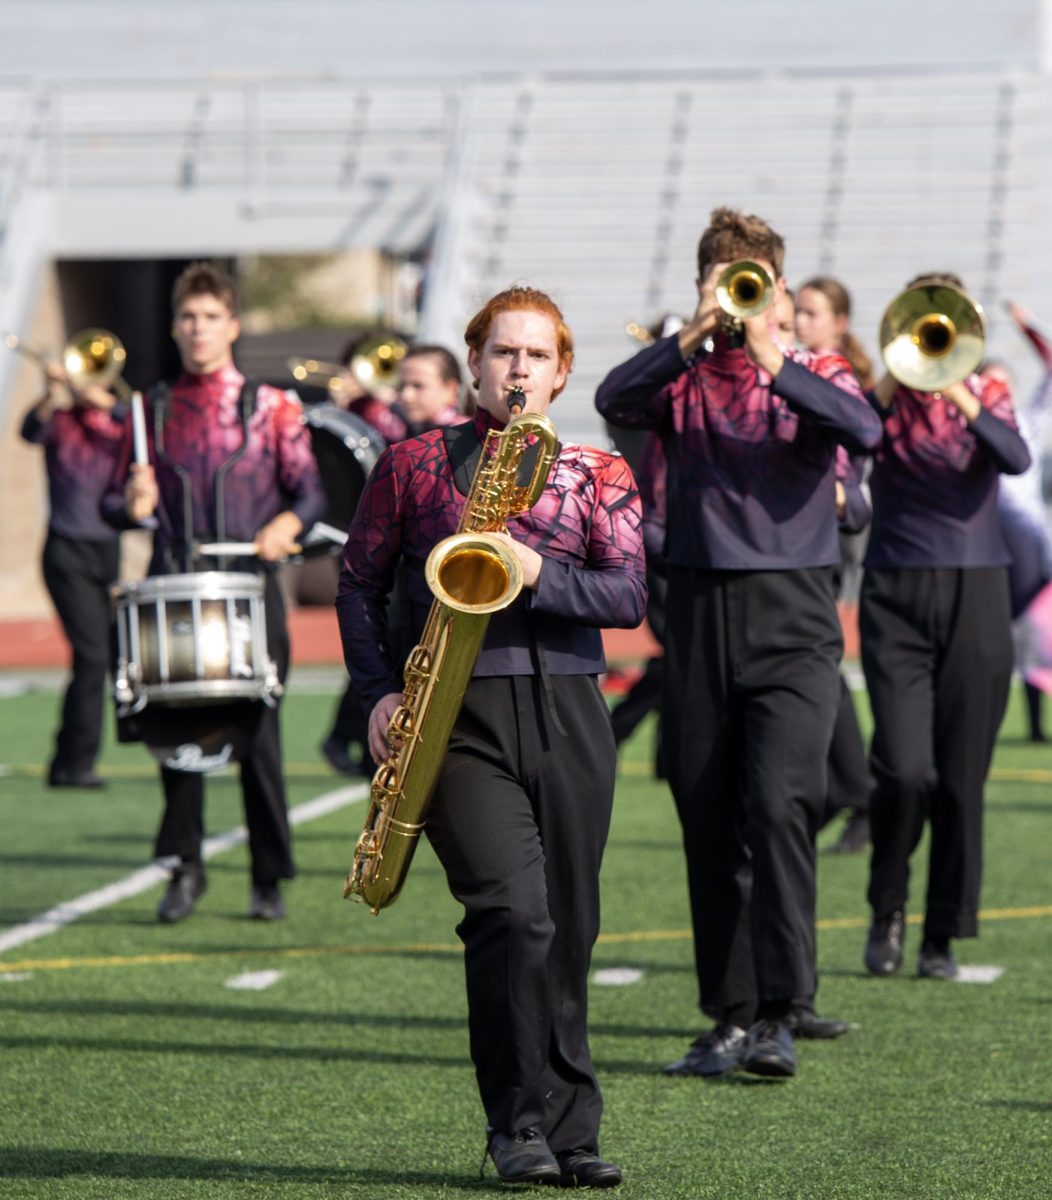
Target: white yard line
147, 877
617, 976
979, 974
254, 981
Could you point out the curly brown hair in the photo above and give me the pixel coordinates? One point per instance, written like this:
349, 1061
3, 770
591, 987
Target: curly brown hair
732, 235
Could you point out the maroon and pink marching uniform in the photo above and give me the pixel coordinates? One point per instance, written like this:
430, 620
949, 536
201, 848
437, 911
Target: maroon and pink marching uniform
520, 815
202, 429
81, 560
752, 644
936, 646
194, 428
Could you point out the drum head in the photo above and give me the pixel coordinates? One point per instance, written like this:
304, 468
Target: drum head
346, 449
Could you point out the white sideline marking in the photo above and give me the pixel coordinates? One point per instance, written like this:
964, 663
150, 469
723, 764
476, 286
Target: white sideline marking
979, 974
254, 981
617, 976
147, 877
15, 976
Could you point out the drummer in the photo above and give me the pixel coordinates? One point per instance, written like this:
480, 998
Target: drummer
210, 416
427, 397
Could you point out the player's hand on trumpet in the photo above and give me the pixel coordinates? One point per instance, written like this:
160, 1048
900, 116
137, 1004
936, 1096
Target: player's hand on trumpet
707, 318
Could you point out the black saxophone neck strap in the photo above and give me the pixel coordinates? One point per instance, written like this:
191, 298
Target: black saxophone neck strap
464, 448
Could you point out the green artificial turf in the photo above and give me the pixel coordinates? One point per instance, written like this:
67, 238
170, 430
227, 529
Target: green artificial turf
129, 1069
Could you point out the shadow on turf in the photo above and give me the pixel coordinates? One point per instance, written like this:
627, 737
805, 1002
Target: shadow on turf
284, 1016
18, 1162
327, 1053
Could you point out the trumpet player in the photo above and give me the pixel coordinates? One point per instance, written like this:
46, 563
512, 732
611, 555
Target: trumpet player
935, 628
81, 440
750, 432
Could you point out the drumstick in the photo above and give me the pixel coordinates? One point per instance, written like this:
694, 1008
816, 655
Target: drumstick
228, 549
138, 420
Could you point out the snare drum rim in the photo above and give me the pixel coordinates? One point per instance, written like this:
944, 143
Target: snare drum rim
200, 585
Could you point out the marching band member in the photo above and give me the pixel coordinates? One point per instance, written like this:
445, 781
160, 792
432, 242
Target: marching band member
753, 638
936, 649
822, 320
271, 494
1024, 521
821, 325
520, 815
81, 556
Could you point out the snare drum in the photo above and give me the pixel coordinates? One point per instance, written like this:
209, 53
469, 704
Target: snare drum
186, 640
346, 449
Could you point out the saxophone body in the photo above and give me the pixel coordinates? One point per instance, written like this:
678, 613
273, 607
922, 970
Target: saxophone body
471, 575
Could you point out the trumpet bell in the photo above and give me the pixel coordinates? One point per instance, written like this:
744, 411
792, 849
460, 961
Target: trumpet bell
744, 289
377, 362
932, 336
94, 356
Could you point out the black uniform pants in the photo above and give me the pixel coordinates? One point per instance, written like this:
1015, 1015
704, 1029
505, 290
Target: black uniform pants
937, 653
519, 821
849, 779
262, 783
78, 575
645, 694
751, 695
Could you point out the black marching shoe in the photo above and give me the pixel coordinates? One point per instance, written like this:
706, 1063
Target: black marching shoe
522, 1157
336, 755
855, 836
266, 903
187, 884
884, 945
769, 1050
582, 1168
715, 1053
806, 1023
936, 960
61, 777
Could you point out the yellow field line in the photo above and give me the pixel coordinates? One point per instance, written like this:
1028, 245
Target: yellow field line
605, 939
304, 770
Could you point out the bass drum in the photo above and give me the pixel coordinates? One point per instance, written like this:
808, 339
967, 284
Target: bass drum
346, 449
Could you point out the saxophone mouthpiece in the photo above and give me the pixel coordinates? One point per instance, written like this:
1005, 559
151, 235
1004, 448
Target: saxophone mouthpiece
516, 400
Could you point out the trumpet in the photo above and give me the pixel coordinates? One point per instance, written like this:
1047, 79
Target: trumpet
91, 358
646, 334
932, 335
744, 289
374, 365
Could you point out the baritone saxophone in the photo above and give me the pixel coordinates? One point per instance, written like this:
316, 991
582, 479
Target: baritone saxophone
471, 575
